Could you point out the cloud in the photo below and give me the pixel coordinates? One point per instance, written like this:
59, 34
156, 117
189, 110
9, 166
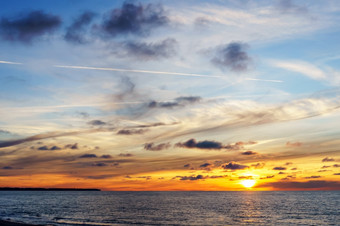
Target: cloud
287, 6
206, 144
178, 102
312, 177
158, 147
234, 166
249, 153
149, 51
192, 178
296, 144
45, 148
205, 165
279, 168
99, 164
76, 31
131, 131
328, 159
96, 123
88, 156
133, 19
192, 143
233, 57
301, 67
72, 146
187, 165
336, 174
7, 167
106, 156
258, 165
312, 184
336, 165
42, 137
29, 26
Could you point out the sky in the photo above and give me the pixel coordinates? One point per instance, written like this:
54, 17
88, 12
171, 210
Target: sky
170, 95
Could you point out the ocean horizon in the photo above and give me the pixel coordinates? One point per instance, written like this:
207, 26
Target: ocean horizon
171, 207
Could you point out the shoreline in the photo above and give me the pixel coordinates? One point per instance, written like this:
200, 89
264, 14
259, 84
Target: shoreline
13, 223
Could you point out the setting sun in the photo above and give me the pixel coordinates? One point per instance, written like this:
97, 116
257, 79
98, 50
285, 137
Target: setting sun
248, 183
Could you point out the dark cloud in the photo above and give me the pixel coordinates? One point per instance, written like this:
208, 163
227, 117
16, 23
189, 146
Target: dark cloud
279, 168
76, 31
289, 177
154, 147
312, 177
150, 51
312, 184
233, 57
179, 101
198, 177
106, 156
249, 153
287, 6
205, 165
267, 177
131, 131
133, 19
336, 174
192, 143
45, 148
288, 163
7, 167
53, 148
96, 123
293, 168
99, 164
125, 155
234, 166
187, 165
328, 159
336, 165
72, 146
28, 26
88, 156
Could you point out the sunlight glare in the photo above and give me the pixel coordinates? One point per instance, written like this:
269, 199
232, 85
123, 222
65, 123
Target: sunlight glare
248, 183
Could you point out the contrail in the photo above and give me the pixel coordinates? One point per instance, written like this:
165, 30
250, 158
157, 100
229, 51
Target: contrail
8, 62
262, 80
137, 71
145, 71
156, 72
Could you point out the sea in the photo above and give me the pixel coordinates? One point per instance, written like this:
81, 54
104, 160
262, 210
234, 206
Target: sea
171, 208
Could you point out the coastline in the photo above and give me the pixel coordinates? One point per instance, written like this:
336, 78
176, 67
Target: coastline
13, 223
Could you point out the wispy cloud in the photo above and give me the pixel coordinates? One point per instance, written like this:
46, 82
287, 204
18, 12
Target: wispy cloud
304, 68
8, 62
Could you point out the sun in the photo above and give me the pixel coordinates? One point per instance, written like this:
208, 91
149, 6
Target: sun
248, 183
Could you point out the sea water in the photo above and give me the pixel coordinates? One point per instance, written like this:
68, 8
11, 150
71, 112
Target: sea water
171, 208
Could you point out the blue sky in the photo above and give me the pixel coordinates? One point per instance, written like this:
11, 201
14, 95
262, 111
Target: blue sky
138, 80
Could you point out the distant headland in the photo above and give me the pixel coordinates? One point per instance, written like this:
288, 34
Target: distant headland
47, 189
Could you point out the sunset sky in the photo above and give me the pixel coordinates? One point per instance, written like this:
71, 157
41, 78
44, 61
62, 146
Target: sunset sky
170, 95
